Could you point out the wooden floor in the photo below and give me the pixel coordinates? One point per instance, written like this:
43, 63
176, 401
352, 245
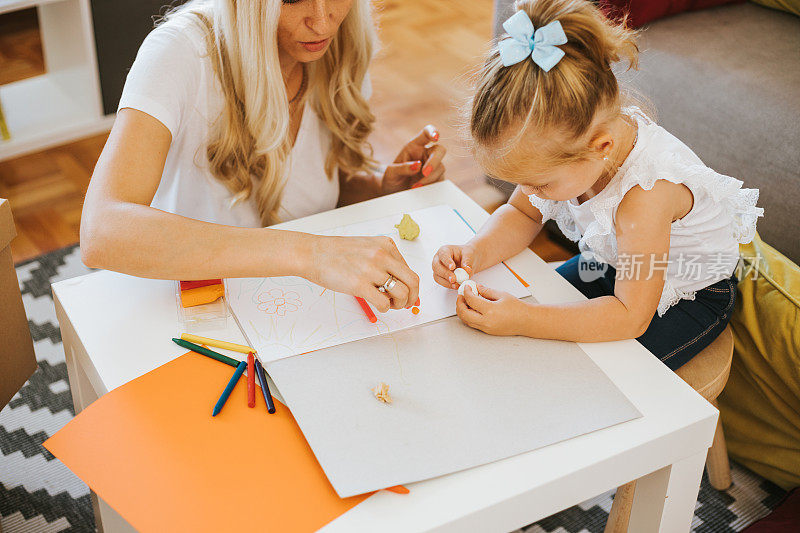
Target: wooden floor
418, 78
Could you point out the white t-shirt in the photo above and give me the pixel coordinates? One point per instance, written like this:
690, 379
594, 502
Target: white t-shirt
173, 80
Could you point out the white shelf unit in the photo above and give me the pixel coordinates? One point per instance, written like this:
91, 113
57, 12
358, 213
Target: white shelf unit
63, 104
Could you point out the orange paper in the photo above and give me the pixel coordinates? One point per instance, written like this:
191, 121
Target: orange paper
152, 451
202, 295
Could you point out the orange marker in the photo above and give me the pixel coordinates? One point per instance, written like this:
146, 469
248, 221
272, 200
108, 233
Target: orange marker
415, 304
524, 283
367, 310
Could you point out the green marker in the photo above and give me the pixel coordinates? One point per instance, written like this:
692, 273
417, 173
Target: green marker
205, 351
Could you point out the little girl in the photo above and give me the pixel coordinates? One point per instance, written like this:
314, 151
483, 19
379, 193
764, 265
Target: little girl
658, 230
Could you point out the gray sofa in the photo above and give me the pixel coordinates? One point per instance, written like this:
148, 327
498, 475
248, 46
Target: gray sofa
726, 81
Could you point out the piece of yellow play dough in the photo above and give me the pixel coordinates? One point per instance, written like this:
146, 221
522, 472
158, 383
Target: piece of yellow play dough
381, 393
408, 229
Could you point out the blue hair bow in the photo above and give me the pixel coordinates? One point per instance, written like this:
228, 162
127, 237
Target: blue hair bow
523, 41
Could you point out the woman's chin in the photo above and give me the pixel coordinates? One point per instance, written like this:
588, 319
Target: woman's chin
304, 56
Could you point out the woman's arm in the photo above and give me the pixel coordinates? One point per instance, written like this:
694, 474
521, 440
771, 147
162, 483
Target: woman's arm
359, 187
120, 231
643, 230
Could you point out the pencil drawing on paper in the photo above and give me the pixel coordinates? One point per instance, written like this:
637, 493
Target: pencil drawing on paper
279, 303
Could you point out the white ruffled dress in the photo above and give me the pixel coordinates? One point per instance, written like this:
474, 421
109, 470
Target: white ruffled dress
704, 244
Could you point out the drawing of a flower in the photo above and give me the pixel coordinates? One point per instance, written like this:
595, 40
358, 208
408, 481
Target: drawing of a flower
276, 302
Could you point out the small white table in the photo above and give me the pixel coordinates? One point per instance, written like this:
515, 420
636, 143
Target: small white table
665, 449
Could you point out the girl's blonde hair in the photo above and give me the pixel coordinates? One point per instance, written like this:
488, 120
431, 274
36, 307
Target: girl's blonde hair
512, 101
250, 143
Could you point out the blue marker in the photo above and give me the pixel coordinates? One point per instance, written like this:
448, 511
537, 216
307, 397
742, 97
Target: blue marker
229, 388
464, 220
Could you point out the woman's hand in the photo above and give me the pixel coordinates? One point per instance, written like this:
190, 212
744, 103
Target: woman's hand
359, 265
450, 257
419, 163
491, 311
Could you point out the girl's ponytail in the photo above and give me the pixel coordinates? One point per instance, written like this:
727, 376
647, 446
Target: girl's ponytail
565, 100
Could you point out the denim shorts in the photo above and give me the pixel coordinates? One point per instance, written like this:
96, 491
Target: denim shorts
685, 329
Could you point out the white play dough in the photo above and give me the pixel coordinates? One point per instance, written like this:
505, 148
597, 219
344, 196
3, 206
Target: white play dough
469, 283
461, 275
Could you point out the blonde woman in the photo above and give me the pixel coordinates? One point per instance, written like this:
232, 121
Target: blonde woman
240, 114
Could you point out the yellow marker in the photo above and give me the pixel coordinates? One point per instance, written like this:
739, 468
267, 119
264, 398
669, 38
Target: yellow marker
197, 339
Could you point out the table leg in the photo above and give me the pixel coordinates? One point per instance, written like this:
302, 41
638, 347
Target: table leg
664, 501
83, 394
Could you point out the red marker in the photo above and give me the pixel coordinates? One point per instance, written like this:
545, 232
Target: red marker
251, 380
186, 285
367, 310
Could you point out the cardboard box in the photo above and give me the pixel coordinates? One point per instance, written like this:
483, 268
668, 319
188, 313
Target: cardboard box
17, 360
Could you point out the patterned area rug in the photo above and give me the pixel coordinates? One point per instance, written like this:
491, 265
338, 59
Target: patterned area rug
39, 494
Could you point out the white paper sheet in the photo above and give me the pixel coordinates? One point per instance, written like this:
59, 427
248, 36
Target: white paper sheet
460, 399
287, 316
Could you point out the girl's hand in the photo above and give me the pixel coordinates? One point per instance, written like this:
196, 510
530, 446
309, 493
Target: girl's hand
359, 265
419, 163
450, 257
491, 311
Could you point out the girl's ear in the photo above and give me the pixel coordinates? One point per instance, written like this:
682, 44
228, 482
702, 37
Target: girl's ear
602, 143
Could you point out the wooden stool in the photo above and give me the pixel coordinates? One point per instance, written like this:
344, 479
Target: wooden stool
707, 373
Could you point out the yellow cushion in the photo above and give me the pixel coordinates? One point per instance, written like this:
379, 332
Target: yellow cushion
790, 6
760, 406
